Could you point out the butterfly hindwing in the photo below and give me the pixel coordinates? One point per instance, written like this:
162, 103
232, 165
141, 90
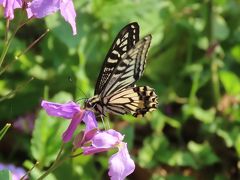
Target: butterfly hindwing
134, 100
124, 41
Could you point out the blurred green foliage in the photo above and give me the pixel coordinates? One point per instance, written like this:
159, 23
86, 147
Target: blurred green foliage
5, 174
193, 64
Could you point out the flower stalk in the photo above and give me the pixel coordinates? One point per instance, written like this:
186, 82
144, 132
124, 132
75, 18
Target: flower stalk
15, 90
29, 171
56, 163
9, 41
214, 63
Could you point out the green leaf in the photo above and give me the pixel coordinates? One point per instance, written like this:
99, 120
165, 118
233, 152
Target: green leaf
152, 150
182, 158
235, 51
128, 135
206, 116
5, 175
230, 82
203, 154
220, 28
4, 130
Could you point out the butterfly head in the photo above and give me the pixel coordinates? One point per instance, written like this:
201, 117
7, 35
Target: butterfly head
91, 102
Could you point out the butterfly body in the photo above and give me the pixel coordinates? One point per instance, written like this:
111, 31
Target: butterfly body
115, 90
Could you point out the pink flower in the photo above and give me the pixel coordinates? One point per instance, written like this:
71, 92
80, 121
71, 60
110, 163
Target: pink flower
42, 8
9, 6
71, 111
90, 130
92, 140
120, 164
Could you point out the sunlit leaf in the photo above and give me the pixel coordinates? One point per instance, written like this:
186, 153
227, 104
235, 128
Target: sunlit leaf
236, 53
203, 154
230, 82
237, 145
220, 28
5, 175
206, 116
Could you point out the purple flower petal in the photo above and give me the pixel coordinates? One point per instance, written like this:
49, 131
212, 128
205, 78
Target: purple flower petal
90, 120
83, 138
121, 164
9, 6
115, 134
103, 141
42, 8
91, 129
77, 118
67, 110
69, 14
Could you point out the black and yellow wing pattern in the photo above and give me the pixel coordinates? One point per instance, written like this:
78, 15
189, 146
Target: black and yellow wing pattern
115, 90
124, 41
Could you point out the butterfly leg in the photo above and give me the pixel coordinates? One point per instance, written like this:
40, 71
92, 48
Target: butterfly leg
104, 124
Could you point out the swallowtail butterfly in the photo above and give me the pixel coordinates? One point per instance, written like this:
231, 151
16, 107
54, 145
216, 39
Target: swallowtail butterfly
115, 90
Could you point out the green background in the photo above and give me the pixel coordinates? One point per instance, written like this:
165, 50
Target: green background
193, 64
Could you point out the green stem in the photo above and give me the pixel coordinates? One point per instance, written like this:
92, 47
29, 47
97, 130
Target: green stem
54, 165
61, 161
32, 44
8, 42
30, 170
215, 81
76, 155
58, 162
4, 130
7, 29
195, 85
214, 64
5, 49
18, 56
15, 90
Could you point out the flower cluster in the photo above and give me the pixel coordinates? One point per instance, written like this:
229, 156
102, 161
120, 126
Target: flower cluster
41, 8
92, 140
17, 172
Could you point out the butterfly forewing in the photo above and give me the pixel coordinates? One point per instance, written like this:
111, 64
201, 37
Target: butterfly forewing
124, 41
129, 69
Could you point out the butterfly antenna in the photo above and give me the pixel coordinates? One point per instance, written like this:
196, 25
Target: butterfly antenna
71, 80
80, 99
82, 92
